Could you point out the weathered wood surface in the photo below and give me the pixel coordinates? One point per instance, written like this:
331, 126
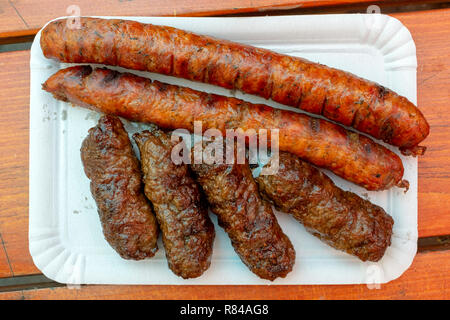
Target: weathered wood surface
19, 17
427, 278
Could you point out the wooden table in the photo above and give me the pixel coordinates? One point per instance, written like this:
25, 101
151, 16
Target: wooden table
427, 278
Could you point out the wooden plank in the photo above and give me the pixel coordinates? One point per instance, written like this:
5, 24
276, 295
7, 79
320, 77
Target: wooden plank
431, 32
5, 268
36, 281
17, 36
36, 14
10, 21
14, 135
427, 278
14, 295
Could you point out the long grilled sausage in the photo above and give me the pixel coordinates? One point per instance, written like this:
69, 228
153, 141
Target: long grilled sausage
247, 219
109, 162
187, 231
293, 81
350, 155
340, 218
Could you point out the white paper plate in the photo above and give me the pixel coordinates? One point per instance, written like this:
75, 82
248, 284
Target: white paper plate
66, 241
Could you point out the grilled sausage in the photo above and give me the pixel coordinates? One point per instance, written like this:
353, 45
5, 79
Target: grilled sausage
350, 155
247, 219
109, 162
340, 218
187, 231
293, 81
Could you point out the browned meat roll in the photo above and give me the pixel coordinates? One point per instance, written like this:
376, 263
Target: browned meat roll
109, 162
247, 219
187, 231
340, 218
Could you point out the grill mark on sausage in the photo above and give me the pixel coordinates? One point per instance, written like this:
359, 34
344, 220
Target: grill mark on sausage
111, 77
84, 71
382, 92
322, 108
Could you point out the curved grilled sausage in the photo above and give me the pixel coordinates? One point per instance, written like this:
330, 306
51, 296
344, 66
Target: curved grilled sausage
109, 162
340, 218
293, 81
187, 231
247, 219
350, 155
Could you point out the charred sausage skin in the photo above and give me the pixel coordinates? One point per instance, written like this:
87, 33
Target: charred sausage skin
335, 94
352, 156
247, 219
340, 218
187, 231
128, 223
